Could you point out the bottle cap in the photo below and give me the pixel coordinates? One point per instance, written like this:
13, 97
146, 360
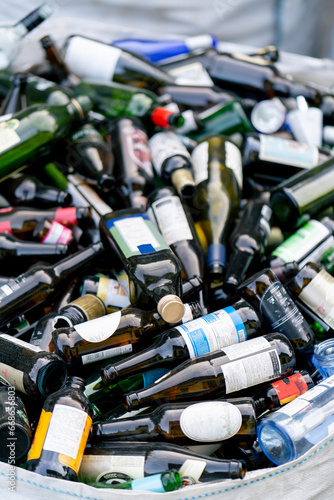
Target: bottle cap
171, 308
268, 116
82, 104
184, 182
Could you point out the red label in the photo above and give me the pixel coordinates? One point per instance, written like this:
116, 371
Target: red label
5, 210
160, 117
5, 227
290, 388
66, 216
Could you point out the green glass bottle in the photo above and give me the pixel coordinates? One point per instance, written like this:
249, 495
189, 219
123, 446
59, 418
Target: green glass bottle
159, 483
15, 99
30, 133
218, 177
115, 100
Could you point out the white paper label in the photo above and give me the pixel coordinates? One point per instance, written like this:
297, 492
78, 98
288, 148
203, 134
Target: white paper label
135, 232
112, 467
99, 329
210, 333
57, 234
211, 421
319, 296
21, 343
65, 430
193, 74
250, 371
107, 353
8, 136
188, 315
288, 152
200, 160
233, 160
112, 294
294, 407
164, 145
172, 220
13, 376
240, 350
91, 59
317, 254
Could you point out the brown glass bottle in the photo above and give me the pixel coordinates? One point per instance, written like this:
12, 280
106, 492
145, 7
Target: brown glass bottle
60, 72
185, 423
313, 290
151, 271
28, 190
196, 338
220, 373
36, 285
13, 247
29, 369
133, 168
117, 333
62, 433
22, 221
84, 308
177, 228
107, 461
279, 312
281, 392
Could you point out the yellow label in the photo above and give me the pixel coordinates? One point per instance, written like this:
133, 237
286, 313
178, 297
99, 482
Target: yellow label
74, 463
103, 288
42, 429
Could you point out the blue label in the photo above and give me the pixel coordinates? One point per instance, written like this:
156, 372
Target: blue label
210, 318
199, 342
149, 483
288, 152
238, 323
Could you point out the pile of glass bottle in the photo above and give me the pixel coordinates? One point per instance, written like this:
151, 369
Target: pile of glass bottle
167, 254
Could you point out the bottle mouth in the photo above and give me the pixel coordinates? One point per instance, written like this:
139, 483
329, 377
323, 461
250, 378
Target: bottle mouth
276, 443
52, 377
323, 357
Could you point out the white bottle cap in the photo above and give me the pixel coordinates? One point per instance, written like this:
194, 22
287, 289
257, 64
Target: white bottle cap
171, 308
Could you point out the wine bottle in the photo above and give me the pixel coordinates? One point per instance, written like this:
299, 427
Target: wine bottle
115, 100
312, 288
159, 483
13, 247
47, 231
220, 373
226, 118
80, 310
196, 338
126, 461
270, 159
307, 192
59, 71
31, 132
312, 242
62, 433
242, 74
133, 168
248, 240
91, 156
28, 190
36, 285
111, 335
279, 312
152, 271
22, 221
15, 99
172, 162
29, 369
185, 423
14, 426
89, 58
177, 228
218, 177
11, 36
107, 289
276, 394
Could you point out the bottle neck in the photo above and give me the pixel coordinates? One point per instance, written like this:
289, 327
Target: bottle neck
76, 383
70, 265
33, 19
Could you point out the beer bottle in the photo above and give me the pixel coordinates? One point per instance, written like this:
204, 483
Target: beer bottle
125, 461
195, 338
220, 373
59, 71
20, 294
172, 162
152, 272
84, 308
13, 247
62, 433
111, 335
29, 369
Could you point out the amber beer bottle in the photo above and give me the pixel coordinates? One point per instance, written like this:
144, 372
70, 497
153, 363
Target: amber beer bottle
62, 433
279, 312
112, 335
84, 308
29, 369
151, 271
204, 335
185, 423
220, 373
